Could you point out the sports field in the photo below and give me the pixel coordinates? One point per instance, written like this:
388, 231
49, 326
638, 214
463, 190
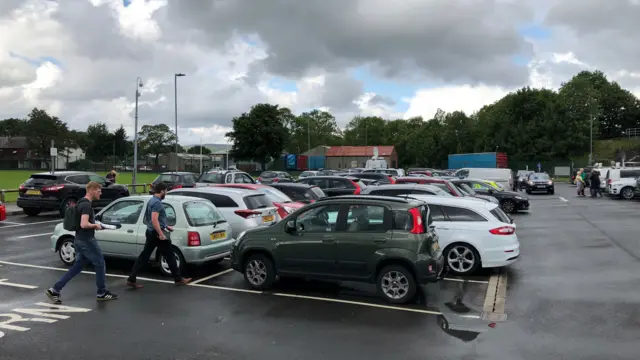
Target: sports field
11, 180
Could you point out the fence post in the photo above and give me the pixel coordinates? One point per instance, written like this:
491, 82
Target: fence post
2, 196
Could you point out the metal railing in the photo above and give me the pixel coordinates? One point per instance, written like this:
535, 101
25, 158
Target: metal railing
133, 189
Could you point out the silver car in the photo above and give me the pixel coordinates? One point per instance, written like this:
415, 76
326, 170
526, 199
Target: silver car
201, 233
243, 208
403, 189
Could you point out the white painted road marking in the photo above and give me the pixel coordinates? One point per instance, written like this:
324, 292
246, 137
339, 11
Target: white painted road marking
212, 276
46, 313
465, 280
33, 223
6, 283
10, 223
563, 199
34, 235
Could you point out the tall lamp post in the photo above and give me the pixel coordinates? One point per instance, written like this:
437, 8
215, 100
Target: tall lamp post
135, 136
175, 100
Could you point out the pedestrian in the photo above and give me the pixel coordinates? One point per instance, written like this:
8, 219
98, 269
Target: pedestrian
86, 247
580, 182
157, 237
595, 183
112, 175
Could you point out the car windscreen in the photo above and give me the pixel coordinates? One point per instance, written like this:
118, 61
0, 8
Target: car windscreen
463, 190
211, 178
201, 213
539, 177
41, 180
500, 215
466, 188
269, 174
167, 178
257, 202
317, 192
274, 195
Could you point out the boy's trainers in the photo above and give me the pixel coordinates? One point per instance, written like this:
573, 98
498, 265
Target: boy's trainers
53, 296
107, 296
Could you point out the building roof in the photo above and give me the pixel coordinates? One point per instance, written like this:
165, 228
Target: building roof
359, 151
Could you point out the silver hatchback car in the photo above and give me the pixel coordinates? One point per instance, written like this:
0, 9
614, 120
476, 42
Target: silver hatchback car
201, 233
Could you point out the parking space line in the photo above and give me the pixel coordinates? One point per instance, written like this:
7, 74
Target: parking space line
211, 276
465, 280
563, 199
34, 235
228, 288
6, 283
34, 223
10, 223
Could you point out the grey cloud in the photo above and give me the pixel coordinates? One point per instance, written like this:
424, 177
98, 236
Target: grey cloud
340, 91
382, 100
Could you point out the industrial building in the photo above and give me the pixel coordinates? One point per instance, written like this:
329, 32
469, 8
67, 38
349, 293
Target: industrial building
341, 157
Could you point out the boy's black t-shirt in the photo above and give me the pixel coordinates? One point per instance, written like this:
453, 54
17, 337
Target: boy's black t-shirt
84, 208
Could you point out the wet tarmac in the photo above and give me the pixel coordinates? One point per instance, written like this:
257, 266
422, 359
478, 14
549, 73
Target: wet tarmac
574, 294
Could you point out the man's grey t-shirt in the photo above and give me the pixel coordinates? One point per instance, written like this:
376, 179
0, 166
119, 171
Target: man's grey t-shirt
155, 205
84, 208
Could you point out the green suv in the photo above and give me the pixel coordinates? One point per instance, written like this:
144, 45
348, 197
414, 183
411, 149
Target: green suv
387, 241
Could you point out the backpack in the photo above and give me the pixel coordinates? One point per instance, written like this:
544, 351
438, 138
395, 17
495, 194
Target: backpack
72, 218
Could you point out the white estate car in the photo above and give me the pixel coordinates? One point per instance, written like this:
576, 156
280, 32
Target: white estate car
472, 233
621, 182
201, 233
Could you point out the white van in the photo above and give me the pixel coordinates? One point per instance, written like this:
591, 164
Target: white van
503, 177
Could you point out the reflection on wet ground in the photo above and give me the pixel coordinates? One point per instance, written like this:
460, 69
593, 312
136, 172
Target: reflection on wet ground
460, 319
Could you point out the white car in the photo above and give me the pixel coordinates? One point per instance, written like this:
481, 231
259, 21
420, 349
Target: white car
472, 233
201, 234
624, 188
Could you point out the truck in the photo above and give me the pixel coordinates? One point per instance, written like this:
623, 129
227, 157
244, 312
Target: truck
478, 160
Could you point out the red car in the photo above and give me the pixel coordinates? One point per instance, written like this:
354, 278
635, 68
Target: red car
280, 200
3, 212
445, 185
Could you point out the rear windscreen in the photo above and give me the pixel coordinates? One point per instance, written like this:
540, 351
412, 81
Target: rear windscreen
212, 178
268, 174
169, 178
500, 215
257, 202
318, 192
274, 195
200, 213
35, 180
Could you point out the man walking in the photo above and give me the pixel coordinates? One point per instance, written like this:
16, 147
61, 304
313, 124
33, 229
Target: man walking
156, 219
86, 247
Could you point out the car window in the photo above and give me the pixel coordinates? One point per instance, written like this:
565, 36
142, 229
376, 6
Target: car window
466, 188
443, 187
169, 178
402, 220
629, 173
321, 183
99, 179
218, 200
340, 184
306, 173
40, 180
211, 178
436, 213
462, 173
480, 185
539, 177
319, 219
189, 179
257, 202
365, 218
123, 212
200, 213
317, 192
461, 214
268, 174
274, 195
78, 179
171, 214
247, 179
500, 215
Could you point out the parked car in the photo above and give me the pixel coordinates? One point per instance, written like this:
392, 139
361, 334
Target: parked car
390, 172
621, 181
503, 177
335, 185
224, 177
537, 182
387, 241
303, 193
381, 178
473, 234
510, 201
404, 189
242, 208
3, 212
174, 180
62, 189
280, 200
327, 172
469, 192
268, 177
201, 234
308, 173
521, 179
443, 184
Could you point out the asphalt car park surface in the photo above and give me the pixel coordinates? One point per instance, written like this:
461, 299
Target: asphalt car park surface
573, 294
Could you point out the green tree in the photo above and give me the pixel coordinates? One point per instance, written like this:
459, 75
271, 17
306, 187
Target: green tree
12, 127
42, 129
101, 142
312, 129
156, 140
261, 134
368, 130
196, 150
121, 142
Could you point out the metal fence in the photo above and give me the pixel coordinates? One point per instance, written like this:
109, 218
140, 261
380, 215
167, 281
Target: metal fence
134, 189
118, 163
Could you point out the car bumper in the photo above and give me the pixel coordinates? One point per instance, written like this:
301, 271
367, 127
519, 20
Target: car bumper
429, 269
545, 188
502, 256
522, 204
202, 254
235, 261
38, 203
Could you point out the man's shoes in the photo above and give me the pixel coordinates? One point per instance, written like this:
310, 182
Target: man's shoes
133, 285
53, 296
183, 281
108, 295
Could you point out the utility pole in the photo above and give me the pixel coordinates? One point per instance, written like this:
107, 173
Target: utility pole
135, 135
590, 140
53, 165
175, 100
200, 154
309, 134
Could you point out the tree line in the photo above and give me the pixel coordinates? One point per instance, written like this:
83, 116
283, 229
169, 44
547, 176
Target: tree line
529, 125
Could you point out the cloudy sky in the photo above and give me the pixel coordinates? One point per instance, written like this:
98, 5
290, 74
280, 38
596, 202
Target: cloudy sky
79, 59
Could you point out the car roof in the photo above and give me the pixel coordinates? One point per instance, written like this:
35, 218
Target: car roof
293, 184
219, 190
65, 173
372, 198
331, 177
454, 201
223, 171
406, 187
177, 173
430, 179
240, 186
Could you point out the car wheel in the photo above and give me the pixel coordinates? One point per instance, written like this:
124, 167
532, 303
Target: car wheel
551, 192
508, 206
164, 265
68, 203
67, 251
31, 211
627, 193
259, 271
396, 284
462, 259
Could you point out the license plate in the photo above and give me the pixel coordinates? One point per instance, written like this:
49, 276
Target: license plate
540, 186
34, 192
268, 218
218, 235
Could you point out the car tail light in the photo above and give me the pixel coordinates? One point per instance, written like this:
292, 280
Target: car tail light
177, 187
392, 179
418, 226
503, 230
53, 188
357, 190
609, 181
260, 179
193, 238
276, 180
247, 213
21, 186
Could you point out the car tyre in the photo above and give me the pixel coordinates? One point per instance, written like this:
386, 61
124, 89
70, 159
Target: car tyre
627, 193
396, 284
458, 254
509, 206
67, 251
67, 203
32, 211
259, 271
164, 266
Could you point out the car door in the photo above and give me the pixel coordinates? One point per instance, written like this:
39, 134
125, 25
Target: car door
442, 224
463, 224
368, 229
109, 193
141, 237
78, 189
122, 241
339, 187
311, 249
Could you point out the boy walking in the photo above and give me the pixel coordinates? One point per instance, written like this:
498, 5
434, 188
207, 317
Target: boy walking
87, 249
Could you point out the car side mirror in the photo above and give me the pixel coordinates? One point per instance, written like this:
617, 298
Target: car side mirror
290, 226
98, 217
491, 191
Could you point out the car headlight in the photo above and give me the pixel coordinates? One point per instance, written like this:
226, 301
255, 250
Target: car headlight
550, 182
519, 198
530, 182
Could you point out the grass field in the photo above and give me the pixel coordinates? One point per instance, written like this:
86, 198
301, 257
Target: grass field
11, 180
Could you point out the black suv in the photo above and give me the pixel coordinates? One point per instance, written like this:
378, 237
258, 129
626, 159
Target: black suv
540, 182
304, 193
387, 241
175, 180
510, 201
334, 185
62, 189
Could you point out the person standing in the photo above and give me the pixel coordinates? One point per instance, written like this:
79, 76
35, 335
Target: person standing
112, 175
156, 219
580, 182
595, 183
87, 249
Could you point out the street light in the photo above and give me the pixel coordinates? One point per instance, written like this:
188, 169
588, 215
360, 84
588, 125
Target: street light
135, 136
175, 100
